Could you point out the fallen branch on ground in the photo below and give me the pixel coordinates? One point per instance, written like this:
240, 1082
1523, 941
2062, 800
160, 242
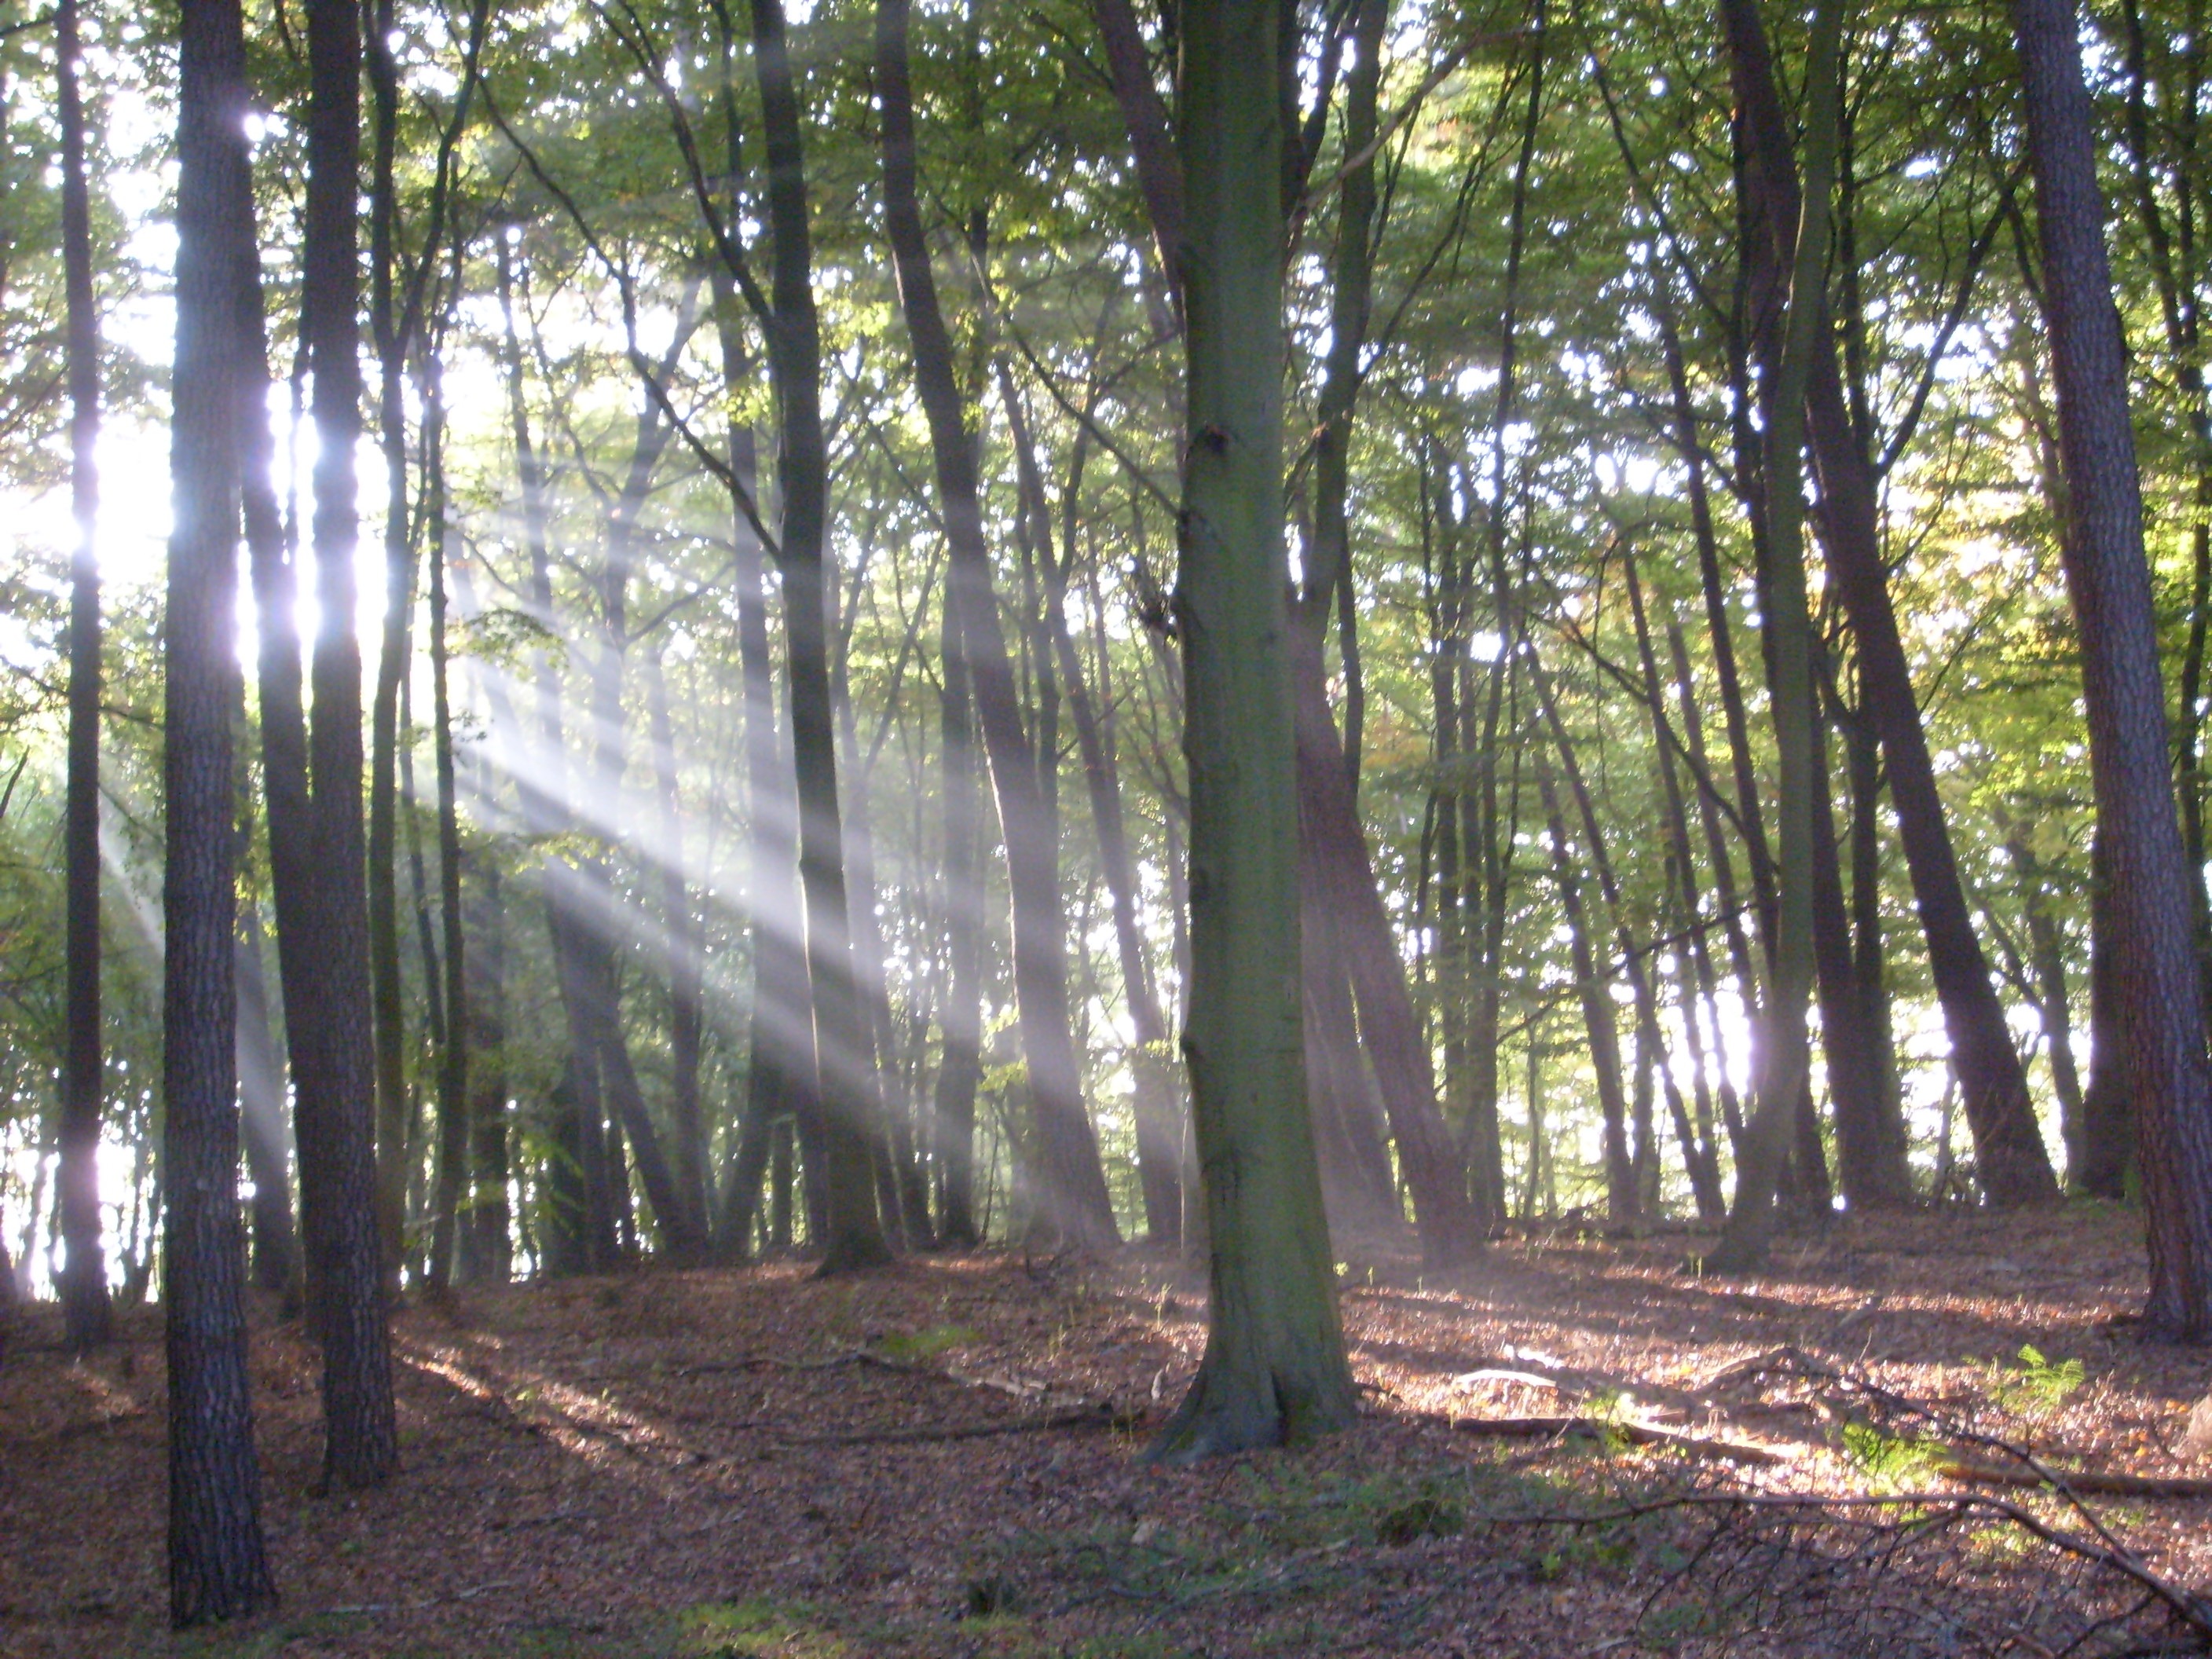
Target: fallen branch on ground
1098, 1414
1592, 1428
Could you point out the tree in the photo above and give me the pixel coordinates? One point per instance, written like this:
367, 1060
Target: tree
846, 1083
2139, 833
218, 1568
337, 1156
84, 1274
1274, 1367
1074, 1202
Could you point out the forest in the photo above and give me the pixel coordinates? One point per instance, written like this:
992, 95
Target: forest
769, 759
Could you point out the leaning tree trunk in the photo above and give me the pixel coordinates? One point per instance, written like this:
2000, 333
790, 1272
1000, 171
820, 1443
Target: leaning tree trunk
218, 1568
2014, 1166
2109, 577
1072, 1195
336, 1132
83, 1286
1274, 1366
846, 1085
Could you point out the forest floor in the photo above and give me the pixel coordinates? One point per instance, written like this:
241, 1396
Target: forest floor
944, 1459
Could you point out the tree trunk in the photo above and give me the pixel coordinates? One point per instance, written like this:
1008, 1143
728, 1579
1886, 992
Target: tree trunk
2108, 1105
394, 1125
1869, 1141
1700, 1158
218, 1568
1274, 1367
846, 1086
2156, 968
2046, 952
960, 1070
1073, 1195
1789, 658
454, 1151
84, 1278
486, 1252
2014, 1166
683, 948
261, 1098
336, 1132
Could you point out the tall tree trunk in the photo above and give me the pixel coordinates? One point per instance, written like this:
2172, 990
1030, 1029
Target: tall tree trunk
218, 1568
684, 946
1786, 1061
84, 1278
846, 1085
2046, 952
1869, 1141
1274, 1366
486, 1253
261, 1101
1073, 1193
2108, 1105
1151, 1086
1700, 1158
454, 1151
2108, 578
960, 1070
2014, 1166
337, 1131
394, 1114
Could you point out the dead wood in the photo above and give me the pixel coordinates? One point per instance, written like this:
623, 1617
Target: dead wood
1636, 1434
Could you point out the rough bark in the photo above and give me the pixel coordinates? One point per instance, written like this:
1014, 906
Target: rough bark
2108, 576
336, 1126
218, 1568
83, 1277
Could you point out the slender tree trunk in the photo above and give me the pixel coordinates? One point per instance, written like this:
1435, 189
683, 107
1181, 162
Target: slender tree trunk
577, 1237
1274, 1367
218, 1568
1699, 1158
454, 1151
961, 1069
846, 1086
2013, 1165
1869, 1146
2047, 958
1073, 1196
684, 950
487, 1253
1789, 656
261, 1098
394, 1125
337, 1134
83, 1279
2108, 1106
2108, 578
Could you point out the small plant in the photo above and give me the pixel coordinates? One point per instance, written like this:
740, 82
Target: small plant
926, 1344
1427, 1515
1891, 1460
2039, 1386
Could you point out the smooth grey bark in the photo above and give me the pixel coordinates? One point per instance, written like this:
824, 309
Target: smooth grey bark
846, 1089
1274, 1367
1072, 1184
